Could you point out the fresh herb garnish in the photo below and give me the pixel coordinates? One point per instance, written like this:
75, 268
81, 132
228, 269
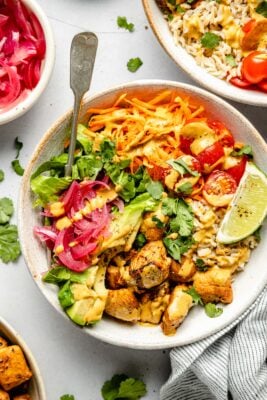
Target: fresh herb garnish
257, 234
155, 189
182, 216
230, 60
158, 222
210, 40
9, 244
177, 247
17, 167
140, 241
180, 9
200, 265
67, 397
262, 9
245, 150
195, 296
212, 310
134, 64
108, 150
170, 17
180, 166
123, 387
123, 23
2, 175
6, 210
18, 146
185, 189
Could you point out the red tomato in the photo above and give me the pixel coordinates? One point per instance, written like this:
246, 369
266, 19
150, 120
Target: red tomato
226, 138
191, 162
158, 173
219, 188
254, 67
249, 25
241, 83
263, 85
210, 155
237, 171
185, 144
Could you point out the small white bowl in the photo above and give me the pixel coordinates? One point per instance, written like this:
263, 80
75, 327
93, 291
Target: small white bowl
36, 385
188, 64
47, 67
197, 325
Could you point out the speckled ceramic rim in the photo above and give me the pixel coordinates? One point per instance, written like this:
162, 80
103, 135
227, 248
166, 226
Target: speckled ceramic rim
106, 336
198, 74
47, 67
14, 338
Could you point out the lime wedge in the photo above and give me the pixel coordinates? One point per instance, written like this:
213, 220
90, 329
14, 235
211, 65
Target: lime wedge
248, 207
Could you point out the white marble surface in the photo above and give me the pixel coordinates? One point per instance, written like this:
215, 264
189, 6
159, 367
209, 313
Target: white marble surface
70, 361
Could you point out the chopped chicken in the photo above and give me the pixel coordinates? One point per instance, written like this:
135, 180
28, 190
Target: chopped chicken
252, 38
183, 272
153, 303
114, 279
179, 305
4, 395
13, 367
214, 285
122, 304
150, 267
150, 225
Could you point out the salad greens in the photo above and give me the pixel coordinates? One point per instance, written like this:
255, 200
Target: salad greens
9, 244
134, 64
123, 387
15, 163
123, 23
210, 40
212, 310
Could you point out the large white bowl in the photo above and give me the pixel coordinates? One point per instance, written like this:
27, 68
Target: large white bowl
197, 325
188, 64
46, 71
36, 385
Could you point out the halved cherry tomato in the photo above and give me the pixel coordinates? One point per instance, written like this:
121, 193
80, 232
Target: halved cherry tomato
254, 67
241, 83
226, 138
263, 85
210, 155
219, 188
185, 143
238, 170
249, 25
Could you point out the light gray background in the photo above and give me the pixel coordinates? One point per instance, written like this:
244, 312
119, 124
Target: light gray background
70, 361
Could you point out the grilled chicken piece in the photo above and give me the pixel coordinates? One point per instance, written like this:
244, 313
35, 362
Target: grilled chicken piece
183, 272
179, 305
214, 285
153, 303
252, 38
151, 266
4, 395
151, 225
122, 304
114, 279
13, 367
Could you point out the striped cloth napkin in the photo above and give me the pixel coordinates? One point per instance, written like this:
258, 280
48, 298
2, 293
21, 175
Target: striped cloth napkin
230, 364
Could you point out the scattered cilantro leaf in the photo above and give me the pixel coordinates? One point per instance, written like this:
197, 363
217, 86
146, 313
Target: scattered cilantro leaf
185, 189
18, 146
212, 310
159, 224
210, 40
169, 206
180, 166
184, 220
170, 17
180, 9
177, 247
9, 244
230, 60
200, 265
195, 296
6, 210
257, 234
134, 64
67, 397
108, 150
17, 167
2, 175
155, 189
140, 241
123, 23
262, 9
123, 387
245, 150
172, 2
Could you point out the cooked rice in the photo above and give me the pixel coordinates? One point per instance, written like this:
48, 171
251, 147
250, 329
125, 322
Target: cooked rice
207, 17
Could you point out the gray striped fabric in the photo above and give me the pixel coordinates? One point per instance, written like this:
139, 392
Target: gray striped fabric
230, 363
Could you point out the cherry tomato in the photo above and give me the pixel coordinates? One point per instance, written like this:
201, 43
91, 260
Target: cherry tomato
249, 25
158, 172
219, 188
254, 67
237, 171
185, 143
226, 138
210, 155
263, 85
241, 83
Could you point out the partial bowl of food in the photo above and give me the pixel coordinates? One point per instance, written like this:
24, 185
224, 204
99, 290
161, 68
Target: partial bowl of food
20, 378
220, 44
27, 55
142, 232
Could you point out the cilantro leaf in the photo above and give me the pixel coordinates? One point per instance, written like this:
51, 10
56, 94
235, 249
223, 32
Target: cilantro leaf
123, 23
169, 206
212, 310
184, 221
18, 146
180, 9
110, 389
131, 389
262, 9
195, 296
230, 60
245, 150
140, 241
185, 189
17, 167
180, 166
134, 64
6, 210
159, 224
108, 150
2, 175
210, 40
9, 244
200, 265
155, 189
67, 397
177, 247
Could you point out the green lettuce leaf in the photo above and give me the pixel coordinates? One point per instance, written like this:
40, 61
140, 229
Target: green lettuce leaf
47, 188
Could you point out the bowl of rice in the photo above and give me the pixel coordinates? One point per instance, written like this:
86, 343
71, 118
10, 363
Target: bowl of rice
220, 44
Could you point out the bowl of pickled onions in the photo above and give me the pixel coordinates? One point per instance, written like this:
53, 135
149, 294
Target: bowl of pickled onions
27, 54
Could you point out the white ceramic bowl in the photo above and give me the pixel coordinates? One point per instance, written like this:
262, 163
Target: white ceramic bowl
36, 386
187, 62
47, 67
197, 325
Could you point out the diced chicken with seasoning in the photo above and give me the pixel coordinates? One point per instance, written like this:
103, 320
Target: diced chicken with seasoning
123, 304
153, 225
153, 303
